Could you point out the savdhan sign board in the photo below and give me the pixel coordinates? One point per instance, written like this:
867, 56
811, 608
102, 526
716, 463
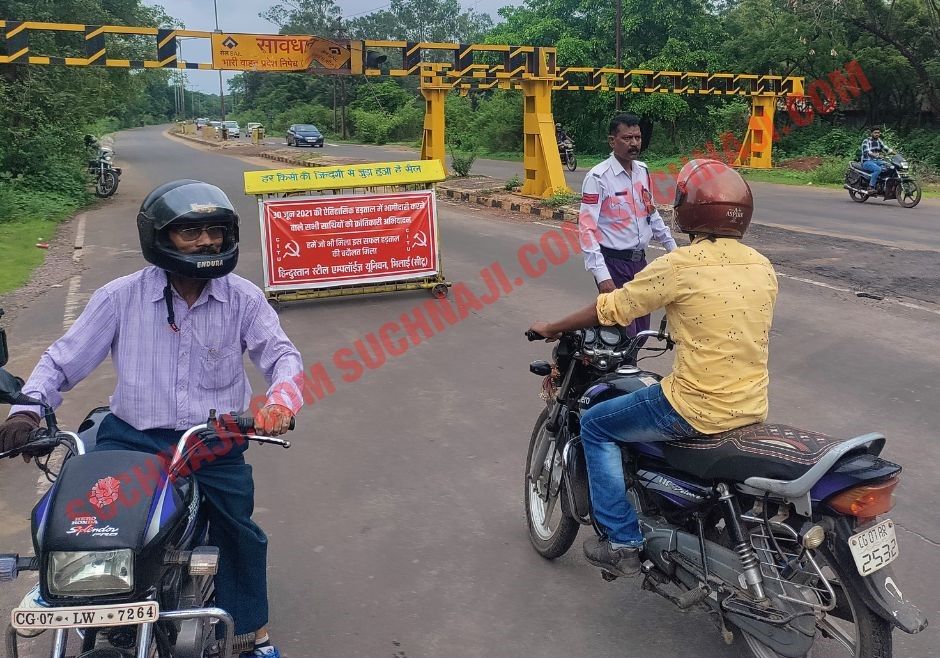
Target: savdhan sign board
328, 241
269, 52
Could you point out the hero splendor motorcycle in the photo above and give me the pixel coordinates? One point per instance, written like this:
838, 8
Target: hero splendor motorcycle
776, 530
894, 182
131, 574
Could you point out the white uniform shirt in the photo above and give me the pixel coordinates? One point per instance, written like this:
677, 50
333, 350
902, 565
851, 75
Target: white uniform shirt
617, 212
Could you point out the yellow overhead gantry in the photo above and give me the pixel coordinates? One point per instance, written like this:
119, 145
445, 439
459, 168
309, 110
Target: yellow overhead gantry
442, 67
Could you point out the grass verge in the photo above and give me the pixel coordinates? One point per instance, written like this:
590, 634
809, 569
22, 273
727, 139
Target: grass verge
19, 255
27, 217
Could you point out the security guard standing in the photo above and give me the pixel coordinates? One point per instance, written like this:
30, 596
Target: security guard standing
618, 218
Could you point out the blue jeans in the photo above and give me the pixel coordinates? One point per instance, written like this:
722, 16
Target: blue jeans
873, 166
241, 584
642, 416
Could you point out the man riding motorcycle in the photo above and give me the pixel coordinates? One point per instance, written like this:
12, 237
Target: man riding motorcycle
719, 297
176, 332
872, 151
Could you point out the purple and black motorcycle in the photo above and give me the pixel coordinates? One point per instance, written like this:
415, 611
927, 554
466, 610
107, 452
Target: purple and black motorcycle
779, 531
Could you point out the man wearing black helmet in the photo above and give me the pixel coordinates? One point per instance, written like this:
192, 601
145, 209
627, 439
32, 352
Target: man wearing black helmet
176, 332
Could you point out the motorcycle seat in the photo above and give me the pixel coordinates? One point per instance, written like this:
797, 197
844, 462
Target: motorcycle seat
778, 452
857, 166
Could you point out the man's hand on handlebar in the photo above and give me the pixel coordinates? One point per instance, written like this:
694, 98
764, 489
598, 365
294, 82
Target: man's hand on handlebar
17, 430
273, 420
544, 330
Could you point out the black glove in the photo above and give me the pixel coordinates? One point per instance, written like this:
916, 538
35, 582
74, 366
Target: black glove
15, 430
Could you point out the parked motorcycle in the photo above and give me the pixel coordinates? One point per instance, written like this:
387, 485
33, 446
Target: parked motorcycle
566, 148
119, 542
895, 182
102, 169
776, 530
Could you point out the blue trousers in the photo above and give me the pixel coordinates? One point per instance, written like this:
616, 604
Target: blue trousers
229, 491
621, 272
639, 417
873, 166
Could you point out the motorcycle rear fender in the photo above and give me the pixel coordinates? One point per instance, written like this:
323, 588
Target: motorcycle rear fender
879, 590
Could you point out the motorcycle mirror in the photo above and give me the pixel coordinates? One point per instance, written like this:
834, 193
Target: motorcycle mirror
10, 388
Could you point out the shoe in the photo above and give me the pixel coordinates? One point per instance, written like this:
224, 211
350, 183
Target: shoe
269, 651
624, 561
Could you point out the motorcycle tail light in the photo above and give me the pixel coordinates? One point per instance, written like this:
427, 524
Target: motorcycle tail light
867, 501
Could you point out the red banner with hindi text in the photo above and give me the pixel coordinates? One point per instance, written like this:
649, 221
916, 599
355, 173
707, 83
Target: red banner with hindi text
326, 241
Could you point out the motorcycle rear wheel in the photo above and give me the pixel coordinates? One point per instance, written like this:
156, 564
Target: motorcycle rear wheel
852, 627
550, 541
106, 185
908, 194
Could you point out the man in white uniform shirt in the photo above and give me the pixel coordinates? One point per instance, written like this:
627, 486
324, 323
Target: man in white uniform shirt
618, 218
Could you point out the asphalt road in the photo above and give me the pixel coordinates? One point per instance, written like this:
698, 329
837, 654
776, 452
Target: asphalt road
395, 522
818, 210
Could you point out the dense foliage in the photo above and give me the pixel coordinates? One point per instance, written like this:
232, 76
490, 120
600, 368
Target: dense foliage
897, 45
45, 111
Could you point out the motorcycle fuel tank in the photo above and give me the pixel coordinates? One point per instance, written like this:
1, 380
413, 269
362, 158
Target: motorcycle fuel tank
623, 381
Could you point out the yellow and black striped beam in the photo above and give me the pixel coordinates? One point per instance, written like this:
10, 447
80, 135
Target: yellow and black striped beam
465, 67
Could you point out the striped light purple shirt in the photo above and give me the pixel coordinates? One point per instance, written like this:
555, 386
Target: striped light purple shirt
167, 379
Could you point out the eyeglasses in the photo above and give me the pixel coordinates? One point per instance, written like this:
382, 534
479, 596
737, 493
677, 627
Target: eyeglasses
192, 233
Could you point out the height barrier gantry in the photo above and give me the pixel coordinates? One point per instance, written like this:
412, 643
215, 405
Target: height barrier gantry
442, 67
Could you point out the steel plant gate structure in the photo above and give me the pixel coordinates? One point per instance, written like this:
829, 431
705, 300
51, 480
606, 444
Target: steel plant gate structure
442, 67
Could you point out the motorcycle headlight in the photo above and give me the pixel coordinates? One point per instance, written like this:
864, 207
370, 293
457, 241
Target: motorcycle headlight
90, 573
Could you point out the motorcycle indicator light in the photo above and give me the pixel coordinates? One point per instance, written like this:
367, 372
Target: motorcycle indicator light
867, 501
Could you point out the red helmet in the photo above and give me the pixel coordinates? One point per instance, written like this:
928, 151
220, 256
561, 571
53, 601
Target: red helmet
712, 199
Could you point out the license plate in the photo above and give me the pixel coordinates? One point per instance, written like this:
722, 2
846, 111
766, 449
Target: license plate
874, 548
95, 615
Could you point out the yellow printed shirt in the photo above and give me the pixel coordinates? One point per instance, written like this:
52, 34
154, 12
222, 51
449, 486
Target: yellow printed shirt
719, 300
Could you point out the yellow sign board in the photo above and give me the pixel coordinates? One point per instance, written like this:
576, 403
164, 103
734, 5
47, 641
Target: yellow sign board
261, 52
376, 174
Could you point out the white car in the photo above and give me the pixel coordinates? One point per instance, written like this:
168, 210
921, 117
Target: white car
232, 128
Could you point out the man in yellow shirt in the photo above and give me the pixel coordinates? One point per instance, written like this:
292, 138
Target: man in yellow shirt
719, 297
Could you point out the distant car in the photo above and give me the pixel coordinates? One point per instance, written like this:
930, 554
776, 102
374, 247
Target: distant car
215, 124
301, 134
250, 126
233, 129
202, 122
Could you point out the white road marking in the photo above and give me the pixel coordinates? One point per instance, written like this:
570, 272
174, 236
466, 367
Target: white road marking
79, 239
72, 302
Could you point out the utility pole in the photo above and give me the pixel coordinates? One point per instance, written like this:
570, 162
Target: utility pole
619, 21
215, 6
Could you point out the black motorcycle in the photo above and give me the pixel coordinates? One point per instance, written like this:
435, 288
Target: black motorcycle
119, 542
895, 182
775, 530
566, 149
106, 176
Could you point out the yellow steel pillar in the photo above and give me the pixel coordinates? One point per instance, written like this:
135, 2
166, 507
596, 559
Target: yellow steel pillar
543, 173
432, 145
758, 142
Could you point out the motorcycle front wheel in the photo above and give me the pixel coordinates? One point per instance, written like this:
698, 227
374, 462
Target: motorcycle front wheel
106, 185
551, 530
908, 193
572, 162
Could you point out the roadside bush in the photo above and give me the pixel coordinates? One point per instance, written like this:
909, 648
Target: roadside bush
830, 170
512, 183
561, 198
371, 127
462, 163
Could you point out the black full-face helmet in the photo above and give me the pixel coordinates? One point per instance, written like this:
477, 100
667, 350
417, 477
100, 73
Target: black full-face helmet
181, 203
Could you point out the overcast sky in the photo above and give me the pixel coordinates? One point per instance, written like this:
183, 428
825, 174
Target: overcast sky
242, 16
